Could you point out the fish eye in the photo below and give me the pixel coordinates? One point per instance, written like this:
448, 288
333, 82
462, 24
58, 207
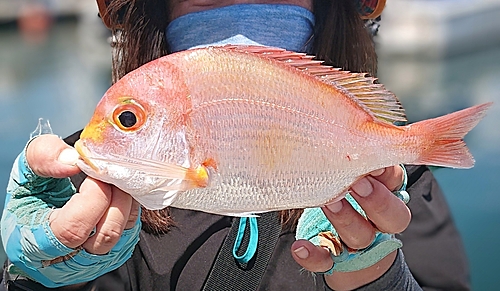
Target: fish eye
129, 117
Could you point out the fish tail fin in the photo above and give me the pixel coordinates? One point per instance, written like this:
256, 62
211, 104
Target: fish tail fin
447, 148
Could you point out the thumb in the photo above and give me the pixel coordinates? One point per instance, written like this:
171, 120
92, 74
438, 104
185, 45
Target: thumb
311, 257
49, 156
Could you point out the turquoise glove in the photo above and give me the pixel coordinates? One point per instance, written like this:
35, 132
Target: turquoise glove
30, 244
315, 227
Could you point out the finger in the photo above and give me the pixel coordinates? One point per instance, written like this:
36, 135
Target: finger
134, 214
49, 156
311, 257
113, 222
73, 223
383, 208
354, 280
392, 177
354, 230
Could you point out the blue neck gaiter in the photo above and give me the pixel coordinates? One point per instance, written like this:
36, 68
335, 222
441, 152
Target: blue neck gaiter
279, 25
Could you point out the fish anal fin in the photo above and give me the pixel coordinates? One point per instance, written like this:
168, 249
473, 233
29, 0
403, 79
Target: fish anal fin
361, 88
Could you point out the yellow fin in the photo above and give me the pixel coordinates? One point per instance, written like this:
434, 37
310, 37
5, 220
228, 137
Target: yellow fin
373, 97
198, 177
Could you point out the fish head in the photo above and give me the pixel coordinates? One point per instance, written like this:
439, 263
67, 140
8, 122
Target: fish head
136, 138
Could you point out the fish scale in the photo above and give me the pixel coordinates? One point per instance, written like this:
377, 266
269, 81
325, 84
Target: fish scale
309, 159
240, 130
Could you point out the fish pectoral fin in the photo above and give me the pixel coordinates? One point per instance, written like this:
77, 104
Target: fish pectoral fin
176, 178
191, 178
157, 199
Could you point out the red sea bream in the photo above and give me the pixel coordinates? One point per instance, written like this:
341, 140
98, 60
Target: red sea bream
244, 130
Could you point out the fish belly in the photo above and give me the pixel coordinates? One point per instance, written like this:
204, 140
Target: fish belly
279, 139
269, 157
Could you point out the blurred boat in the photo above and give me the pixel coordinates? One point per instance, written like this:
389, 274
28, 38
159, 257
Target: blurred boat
447, 49
436, 29
11, 9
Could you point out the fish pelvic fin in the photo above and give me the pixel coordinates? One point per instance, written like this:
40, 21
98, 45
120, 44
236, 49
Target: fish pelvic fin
446, 147
364, 90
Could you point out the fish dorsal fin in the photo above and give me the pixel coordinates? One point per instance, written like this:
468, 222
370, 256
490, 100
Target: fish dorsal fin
373, 97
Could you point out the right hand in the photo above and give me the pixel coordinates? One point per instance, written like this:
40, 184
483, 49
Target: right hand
97, 205
385, 212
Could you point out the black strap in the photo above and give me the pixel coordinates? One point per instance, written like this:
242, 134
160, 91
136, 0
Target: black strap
227, 274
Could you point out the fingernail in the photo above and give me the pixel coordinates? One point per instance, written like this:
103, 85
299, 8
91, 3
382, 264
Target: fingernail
335, 207
377, 172
68, 156
301, 252
363, 187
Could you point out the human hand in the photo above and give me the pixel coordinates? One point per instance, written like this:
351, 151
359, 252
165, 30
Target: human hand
385, 212
97, 207
56, 236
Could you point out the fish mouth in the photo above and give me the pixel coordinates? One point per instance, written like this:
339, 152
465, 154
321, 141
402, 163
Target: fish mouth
84, 155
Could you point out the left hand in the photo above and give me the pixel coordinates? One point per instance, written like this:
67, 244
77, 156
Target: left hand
384, 210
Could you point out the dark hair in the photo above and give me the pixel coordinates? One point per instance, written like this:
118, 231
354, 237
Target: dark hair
340, 39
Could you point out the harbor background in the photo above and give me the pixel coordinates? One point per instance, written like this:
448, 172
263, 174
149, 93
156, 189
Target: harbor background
437, 56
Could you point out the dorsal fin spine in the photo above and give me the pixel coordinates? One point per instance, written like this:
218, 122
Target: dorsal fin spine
361, 88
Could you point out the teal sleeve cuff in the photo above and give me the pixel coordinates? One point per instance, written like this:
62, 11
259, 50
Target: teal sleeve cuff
314, 226
30, 244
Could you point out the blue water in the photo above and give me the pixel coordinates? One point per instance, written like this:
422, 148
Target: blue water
63, 78
59, 79
434, 87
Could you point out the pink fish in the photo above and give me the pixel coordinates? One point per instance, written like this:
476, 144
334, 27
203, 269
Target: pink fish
241, 130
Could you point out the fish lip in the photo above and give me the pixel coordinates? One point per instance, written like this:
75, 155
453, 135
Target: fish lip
84, 155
